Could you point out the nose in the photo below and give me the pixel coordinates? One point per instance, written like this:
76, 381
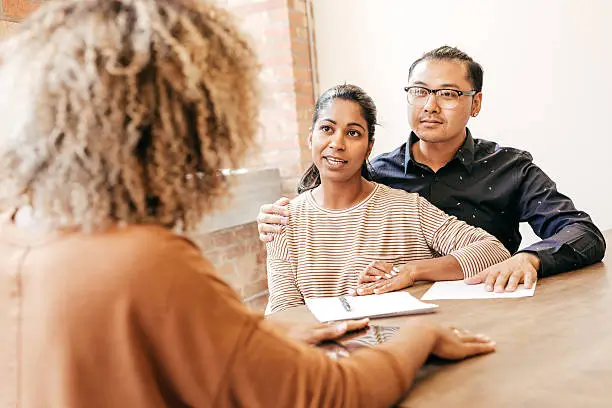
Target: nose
431, 105
337, 140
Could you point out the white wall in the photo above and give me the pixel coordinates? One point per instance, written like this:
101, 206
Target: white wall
547, 83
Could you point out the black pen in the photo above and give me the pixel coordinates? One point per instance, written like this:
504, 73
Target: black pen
345, 303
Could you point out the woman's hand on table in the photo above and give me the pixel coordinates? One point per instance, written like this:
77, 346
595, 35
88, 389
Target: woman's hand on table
457, 344
381, 277
444, 342
317, 333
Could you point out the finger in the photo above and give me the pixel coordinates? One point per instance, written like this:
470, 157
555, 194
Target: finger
282, 202
381, 266
514, 281
327, 332
371, 274
502, 280
352, 325
263, 237
490, 280
280, 207
530, 278
367, 288
389, 286
273, 219
478, 278
474, 349
367, 278
469, 337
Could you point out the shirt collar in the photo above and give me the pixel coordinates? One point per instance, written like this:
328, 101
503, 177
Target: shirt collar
465, 154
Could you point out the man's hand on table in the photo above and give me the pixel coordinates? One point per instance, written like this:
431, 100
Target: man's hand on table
271, 219
506, 276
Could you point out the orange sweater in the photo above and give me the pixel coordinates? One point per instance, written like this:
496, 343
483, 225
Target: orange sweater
137, 318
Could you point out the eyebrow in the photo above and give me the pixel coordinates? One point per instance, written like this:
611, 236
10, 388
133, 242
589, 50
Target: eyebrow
348, 124
443, 86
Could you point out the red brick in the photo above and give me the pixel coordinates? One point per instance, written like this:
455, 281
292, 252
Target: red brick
300, 47
301, 60
297, 18
304, 99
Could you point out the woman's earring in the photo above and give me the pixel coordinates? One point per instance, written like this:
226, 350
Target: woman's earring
474, 114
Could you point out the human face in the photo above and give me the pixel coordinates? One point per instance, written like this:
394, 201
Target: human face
431, 123
339, 141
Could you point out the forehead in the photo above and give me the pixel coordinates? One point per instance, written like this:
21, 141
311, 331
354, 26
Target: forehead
441, 73
342, 111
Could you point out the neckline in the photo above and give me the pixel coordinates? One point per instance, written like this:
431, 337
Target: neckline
314, 203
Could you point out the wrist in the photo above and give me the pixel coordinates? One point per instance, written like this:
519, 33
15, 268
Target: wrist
530, 258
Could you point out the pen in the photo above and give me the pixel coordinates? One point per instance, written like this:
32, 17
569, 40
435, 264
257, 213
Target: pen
345, 303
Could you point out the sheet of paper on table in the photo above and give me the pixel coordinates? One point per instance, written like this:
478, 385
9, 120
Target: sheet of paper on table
388, 304
460, 290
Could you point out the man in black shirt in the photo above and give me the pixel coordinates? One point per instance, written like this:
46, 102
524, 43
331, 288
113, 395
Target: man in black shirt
478, 181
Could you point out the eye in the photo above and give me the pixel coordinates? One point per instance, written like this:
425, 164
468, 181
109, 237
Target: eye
418, 92
354, 133
325, 128
448, 93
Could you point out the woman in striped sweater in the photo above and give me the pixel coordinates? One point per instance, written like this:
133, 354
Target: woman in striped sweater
348, 235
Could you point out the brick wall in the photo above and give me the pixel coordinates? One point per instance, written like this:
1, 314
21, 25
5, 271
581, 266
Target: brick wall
279, 29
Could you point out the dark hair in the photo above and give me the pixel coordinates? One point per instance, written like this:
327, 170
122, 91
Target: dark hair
311, 177
447, 53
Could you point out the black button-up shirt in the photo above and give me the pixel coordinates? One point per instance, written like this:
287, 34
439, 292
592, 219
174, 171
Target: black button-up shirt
495, 188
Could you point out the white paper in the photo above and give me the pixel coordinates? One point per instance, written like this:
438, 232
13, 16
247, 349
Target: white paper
461, 290
384, 305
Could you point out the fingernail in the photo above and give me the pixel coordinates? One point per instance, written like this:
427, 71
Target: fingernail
341, 327
360, 291
483, 337
488, 288
376, 291
378, 277
284, 221
351, 292
387, 276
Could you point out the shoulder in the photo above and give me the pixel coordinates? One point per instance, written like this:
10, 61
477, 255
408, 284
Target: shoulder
393, 158
146, 256
300, 202
389, 198
488, 150
148, 244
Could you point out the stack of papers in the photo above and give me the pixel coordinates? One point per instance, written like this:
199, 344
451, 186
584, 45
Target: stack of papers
461, 290
384, 305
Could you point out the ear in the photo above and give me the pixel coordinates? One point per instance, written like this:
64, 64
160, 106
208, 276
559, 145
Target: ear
476, 104
370, 146
310, 138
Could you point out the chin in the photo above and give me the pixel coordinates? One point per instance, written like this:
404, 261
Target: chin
432, 136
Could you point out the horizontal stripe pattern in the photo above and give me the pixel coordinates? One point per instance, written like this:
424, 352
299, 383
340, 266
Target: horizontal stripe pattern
321, 252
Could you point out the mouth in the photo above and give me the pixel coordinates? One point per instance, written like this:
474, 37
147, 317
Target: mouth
334, 162
431, 122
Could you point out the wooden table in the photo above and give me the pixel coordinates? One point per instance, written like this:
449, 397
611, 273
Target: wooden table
553, 350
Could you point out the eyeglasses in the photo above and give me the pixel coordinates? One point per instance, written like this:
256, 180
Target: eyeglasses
445, 98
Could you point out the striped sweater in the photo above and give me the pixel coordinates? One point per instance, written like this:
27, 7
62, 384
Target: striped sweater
321, 252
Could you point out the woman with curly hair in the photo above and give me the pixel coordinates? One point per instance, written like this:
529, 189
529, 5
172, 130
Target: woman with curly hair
110, 145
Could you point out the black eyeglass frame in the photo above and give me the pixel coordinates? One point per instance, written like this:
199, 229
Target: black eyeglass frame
430, 91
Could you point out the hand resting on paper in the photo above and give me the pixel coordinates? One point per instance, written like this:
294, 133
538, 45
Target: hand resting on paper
507, 275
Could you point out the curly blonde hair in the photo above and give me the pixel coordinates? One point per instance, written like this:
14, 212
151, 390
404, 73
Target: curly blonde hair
124, 111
